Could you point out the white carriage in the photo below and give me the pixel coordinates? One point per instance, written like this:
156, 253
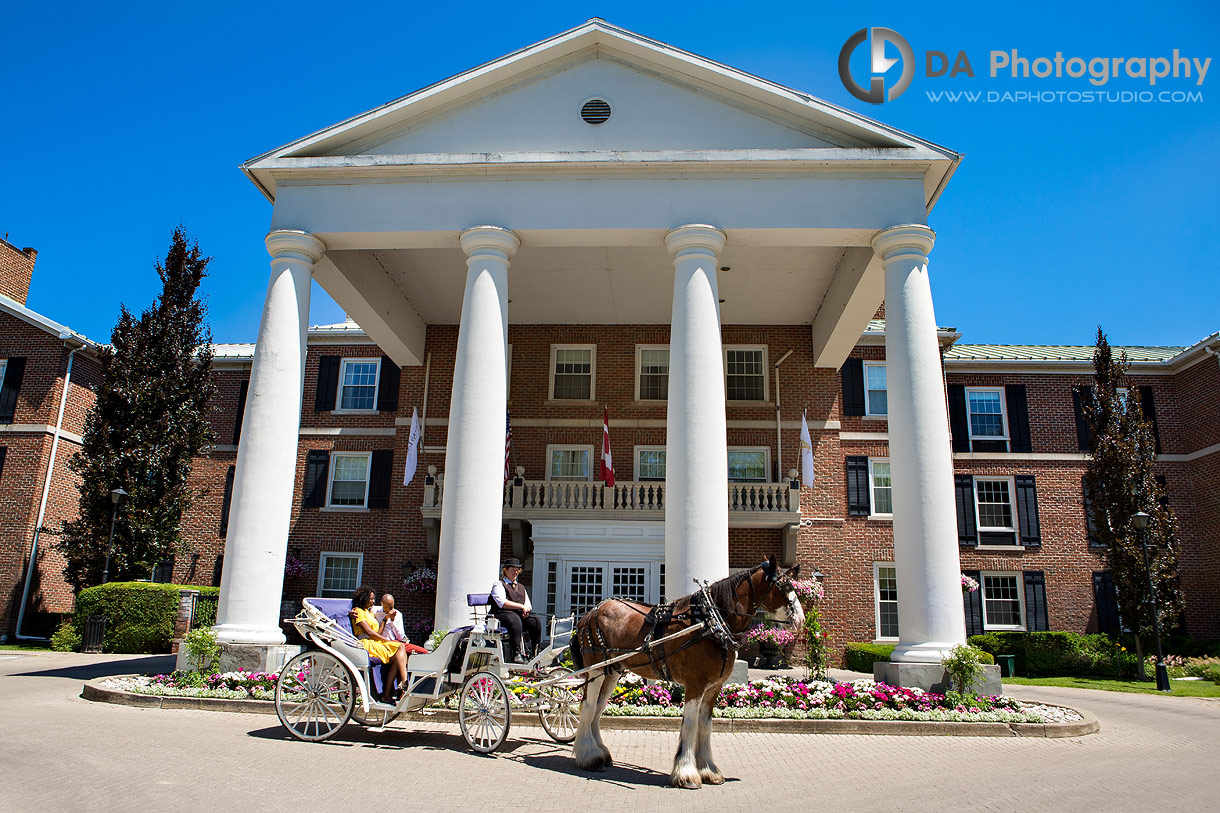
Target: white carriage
335, 681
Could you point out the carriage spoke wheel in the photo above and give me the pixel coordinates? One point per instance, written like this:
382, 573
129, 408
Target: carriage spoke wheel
483, 712
315, 696
559, 709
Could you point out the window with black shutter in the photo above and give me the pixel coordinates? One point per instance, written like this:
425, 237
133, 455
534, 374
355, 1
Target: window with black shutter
242, 392
958, 419
963, 490
328, 383
1027, 510
317, 467
972, 604
852, 375
163, 571
227, 503
1148, 407
387, 385
1105, 599
858, 503
3, 453
380, 478
13, 372
1036, 618
1018, 418
217, 570
1082, 428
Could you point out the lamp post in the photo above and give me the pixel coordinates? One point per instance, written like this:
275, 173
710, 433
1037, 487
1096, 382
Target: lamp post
1162, 674
115, 495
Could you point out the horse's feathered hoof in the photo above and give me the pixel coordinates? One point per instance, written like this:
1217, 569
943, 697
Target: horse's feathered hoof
596, 763
711, 776
686, 779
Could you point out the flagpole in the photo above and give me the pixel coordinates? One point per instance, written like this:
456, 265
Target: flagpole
423, 417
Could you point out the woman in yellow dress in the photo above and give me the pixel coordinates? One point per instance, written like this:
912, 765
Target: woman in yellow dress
366, 628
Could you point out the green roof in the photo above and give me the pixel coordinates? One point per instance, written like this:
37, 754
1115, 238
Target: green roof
1054, 353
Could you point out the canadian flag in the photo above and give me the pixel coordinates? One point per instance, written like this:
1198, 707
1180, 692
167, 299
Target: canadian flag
607, 467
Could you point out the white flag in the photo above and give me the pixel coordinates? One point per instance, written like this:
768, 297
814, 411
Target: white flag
412, 449
806, 455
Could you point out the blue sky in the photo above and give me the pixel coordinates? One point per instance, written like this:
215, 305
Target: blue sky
123, 121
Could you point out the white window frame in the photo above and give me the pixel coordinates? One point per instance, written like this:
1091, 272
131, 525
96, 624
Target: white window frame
359, 557
872, 489
639, 370
868, 401
592, 372
635, 462
1003, 414
1019, 577
567, 447
339, 410
765, 369
766, 450
1012, 507
330, 480
877, 598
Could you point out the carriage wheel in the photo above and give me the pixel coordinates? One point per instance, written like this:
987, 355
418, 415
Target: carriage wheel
559, 711
315, 696
483, 712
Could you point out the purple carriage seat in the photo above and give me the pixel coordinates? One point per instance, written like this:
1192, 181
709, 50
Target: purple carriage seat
478, 599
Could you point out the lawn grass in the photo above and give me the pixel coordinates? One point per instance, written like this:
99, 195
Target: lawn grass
1181, 688
25, 647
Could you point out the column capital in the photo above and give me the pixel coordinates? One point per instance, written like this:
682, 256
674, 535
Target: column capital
295, 244
694, 238
906, 240
495, 240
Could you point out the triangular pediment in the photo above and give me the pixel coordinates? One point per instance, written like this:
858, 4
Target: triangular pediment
661, 99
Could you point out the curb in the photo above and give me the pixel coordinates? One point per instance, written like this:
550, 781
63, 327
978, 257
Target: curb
908, 728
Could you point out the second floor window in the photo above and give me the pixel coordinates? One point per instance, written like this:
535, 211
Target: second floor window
653, 364
986, 410
749, 465
349, 484
358, 385
883, 492
649, 463
874, 389
572, 372
569, 463
745, 373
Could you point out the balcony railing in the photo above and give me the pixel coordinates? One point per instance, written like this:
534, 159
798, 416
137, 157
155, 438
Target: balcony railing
757, 504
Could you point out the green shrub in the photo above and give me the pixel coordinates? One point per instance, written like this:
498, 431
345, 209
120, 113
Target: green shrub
861, 657
65, 637
203, 648
139, 615
964, 663
1059, 654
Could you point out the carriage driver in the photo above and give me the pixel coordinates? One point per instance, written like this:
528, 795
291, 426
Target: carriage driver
512, 608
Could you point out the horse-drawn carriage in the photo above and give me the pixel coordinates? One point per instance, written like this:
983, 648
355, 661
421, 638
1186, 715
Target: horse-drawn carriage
692, 640
336, 681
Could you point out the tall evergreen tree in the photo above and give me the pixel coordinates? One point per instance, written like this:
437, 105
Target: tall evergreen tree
1120, 483
148, 422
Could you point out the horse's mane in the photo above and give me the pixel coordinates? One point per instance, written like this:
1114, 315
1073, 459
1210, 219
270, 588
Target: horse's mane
724, 591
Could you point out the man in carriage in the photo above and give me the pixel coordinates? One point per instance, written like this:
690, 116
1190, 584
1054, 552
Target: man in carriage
512, 608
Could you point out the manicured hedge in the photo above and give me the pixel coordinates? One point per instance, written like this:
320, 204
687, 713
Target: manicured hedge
861, 657
1059, 654
139, 615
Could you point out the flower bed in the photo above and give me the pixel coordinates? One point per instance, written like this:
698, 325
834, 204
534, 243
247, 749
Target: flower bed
775, 697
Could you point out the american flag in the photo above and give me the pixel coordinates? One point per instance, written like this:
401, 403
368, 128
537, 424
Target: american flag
508, 442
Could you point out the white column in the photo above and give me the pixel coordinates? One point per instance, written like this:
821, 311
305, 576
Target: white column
930, 619
471, 511
253, 578
696, 454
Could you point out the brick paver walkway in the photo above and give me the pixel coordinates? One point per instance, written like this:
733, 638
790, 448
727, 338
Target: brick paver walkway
1153, 754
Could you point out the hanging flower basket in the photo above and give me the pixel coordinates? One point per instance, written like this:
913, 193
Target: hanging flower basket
969, 585
294, 568
420, 580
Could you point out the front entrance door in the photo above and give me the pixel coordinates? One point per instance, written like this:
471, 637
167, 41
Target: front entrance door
585, 583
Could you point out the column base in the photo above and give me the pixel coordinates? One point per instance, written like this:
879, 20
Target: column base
244, 634
932, 677
925, 652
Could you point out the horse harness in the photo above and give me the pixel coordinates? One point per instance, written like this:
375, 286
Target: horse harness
702, 609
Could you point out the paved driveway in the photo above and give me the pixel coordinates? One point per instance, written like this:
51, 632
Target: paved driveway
1152, 754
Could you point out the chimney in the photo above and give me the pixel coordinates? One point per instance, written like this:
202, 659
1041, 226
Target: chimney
16, 269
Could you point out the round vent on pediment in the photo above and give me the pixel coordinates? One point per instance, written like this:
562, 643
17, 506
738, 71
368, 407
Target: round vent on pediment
595, 111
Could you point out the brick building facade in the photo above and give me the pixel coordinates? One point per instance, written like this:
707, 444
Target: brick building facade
47, 378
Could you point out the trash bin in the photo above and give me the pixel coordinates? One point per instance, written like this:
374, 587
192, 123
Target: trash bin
1007, 664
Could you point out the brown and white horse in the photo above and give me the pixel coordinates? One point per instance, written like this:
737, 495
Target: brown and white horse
616, 626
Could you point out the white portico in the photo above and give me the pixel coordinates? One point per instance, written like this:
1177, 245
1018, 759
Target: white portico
600, 177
